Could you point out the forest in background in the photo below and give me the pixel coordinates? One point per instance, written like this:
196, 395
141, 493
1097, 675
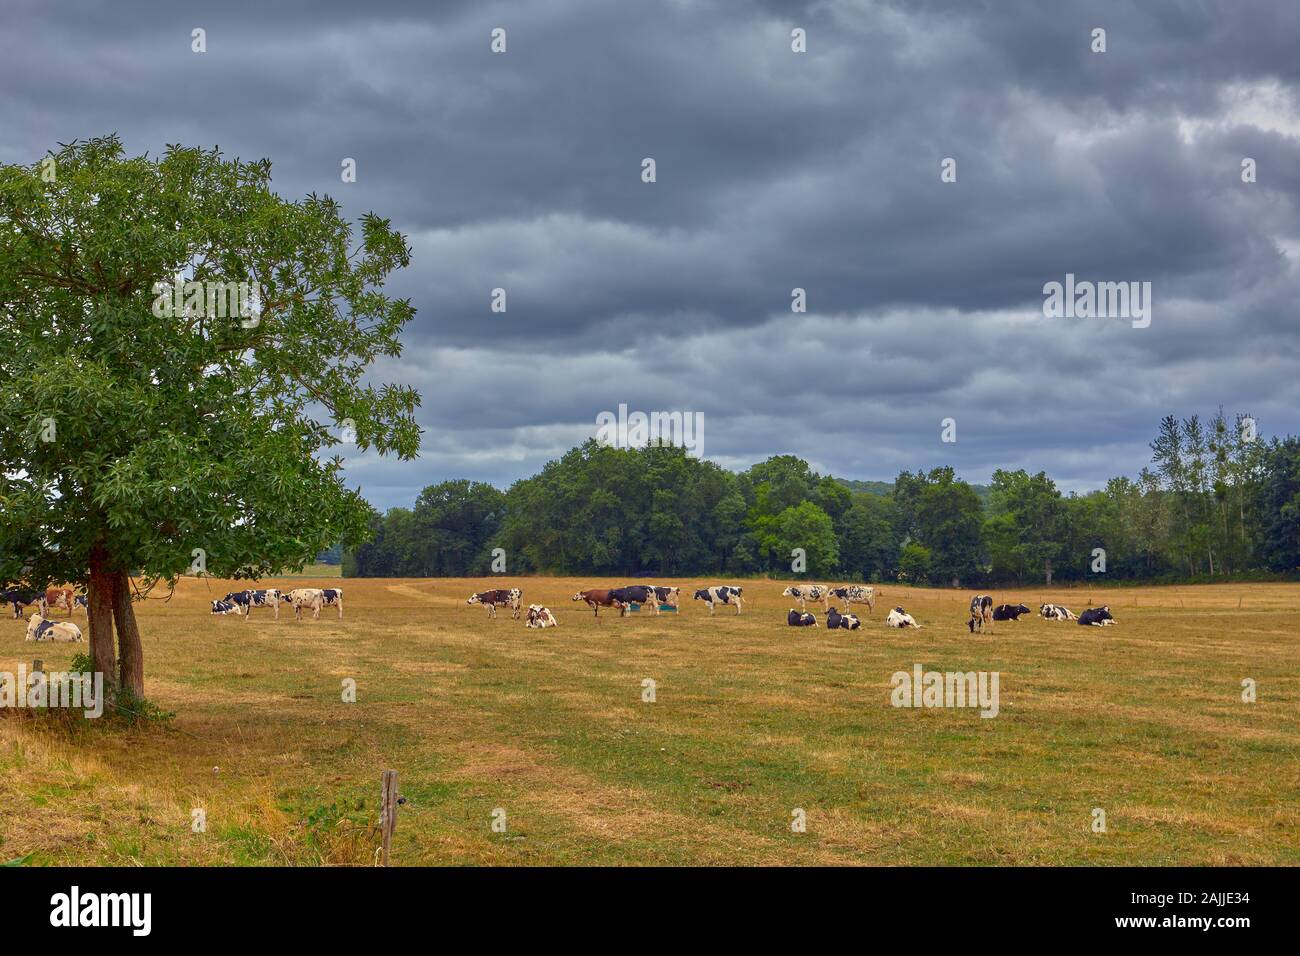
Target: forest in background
1215, 501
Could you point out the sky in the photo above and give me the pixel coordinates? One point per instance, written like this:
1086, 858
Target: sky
774, 170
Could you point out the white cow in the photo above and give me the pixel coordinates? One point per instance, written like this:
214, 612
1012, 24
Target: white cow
809, 592
900, 618
299, 598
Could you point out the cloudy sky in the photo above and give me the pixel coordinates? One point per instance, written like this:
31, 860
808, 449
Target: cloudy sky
775, 170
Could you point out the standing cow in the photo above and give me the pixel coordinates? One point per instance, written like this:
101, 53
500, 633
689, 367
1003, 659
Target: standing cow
668, 597
981, 612
636, 594
264, 597
299, 598
720, 594
333, 597
855, 594
498, 597
596, 598
21, 598
809, 592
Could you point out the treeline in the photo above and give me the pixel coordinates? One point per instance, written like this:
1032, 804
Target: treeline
1215, 501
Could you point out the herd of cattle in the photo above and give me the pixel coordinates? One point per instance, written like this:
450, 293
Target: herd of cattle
656, 598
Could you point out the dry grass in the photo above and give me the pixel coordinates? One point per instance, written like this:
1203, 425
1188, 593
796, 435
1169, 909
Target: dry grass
752, 719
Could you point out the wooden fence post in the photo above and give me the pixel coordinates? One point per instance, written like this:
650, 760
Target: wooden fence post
388, 811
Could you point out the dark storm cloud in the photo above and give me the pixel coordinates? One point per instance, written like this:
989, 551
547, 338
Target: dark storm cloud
775, 170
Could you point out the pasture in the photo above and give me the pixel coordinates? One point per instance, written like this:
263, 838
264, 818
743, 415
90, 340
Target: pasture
751, 720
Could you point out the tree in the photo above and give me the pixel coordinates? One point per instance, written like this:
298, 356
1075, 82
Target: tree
868, 548
1030, 508
147, 435
806, 526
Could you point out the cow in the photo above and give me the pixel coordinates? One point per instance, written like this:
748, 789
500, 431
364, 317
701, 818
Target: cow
21, 598
808, 592
333, 597
1009, 612
720, 594
900, 618
247, 600
981, 612
800, 619
225, 607
597, 598
668, 597
60, 598
300, 598
855, 594
82, 602
1097, 617
849, 622
39, 629
539, 616
636, 594
1057, 612
497, 597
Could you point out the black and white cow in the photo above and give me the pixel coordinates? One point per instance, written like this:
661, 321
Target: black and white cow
849, 622
720, 594
332, 597
21, 598
855, 594
900, 618
1009, 612
225, 607
800, 619
82, 602
808, 592
635, 594
1057, 612
981, 612
1097, 617
668, 597
247, 600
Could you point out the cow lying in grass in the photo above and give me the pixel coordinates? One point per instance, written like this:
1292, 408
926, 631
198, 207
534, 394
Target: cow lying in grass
1097, 617
849, 622
225, 607
1009, 612
539, 616
39, 629
1057, 612
900, 618
800, 619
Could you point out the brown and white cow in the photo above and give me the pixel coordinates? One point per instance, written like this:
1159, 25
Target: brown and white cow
597, 598
539, 616
498, 597
60, 598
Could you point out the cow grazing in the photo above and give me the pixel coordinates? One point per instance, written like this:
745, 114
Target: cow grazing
39, 629
58, 598
1009, 612
808, 592
669, 597
720, 594
636, 594
497, 597
539, 616
981, 612
900, 618
800, 619
333, 597
1097, 617
855, 594
299, 598
597, 598
849, 622
20, 598
225, 607
1057, 612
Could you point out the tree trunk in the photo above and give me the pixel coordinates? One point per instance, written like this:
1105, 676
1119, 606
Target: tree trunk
99, 610
128, 636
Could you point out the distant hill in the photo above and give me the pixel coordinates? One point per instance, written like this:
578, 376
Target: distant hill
884, 488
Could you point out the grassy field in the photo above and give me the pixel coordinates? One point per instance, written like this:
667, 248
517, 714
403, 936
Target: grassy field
751, 720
